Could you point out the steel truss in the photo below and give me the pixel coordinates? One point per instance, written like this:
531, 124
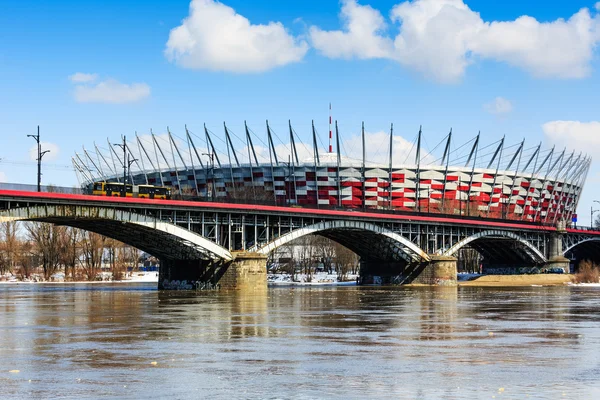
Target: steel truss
241, 230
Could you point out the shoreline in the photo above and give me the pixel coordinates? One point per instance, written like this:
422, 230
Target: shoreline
480, 281
519, 280
68, 282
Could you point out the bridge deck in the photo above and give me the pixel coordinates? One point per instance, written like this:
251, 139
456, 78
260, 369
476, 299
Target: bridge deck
378, 215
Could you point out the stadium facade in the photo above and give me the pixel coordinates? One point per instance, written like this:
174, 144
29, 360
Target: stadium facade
496, 180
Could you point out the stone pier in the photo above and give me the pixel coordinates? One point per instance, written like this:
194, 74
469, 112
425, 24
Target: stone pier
440, 271
557, 262
247, 271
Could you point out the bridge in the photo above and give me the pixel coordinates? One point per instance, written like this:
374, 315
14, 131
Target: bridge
228, 244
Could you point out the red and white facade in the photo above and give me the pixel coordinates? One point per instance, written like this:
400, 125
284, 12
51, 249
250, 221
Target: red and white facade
545, 192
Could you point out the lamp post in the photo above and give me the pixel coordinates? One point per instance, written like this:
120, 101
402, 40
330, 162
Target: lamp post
211, 157
39, 158
124, 147
129, 162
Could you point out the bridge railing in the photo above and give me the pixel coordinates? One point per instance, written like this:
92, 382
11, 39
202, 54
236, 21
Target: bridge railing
45, 188
271, 202
433, 214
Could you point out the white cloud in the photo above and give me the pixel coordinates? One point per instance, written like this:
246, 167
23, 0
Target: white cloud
559, 48
111, 91
441, 38
51, 156
499, 106
360, 38
3, 177
576, 135
435, 37
215, 37
81, 77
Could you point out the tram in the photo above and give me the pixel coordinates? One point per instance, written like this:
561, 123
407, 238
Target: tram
115, 189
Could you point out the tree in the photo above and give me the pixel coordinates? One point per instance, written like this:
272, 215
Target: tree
469, 260
281, 261
92, 247
28, 259
345, 260
325, 251
305, 255
123, 256
69, 241
46, 240
9, 246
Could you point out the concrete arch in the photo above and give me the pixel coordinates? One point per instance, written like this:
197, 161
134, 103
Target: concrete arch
531, 250
408, 247
156, 237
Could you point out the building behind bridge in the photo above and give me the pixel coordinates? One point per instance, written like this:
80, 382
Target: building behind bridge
498, 181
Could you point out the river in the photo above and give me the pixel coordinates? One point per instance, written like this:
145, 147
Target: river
75, 341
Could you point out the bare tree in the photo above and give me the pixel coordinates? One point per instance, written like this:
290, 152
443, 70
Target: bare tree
9, 246
125, 256
281, 260
345, 260
28, 260
92, 246
305, 255
68, 257
325, 251
46, 239
469, 260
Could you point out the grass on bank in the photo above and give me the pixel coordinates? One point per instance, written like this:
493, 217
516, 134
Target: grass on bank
588, 272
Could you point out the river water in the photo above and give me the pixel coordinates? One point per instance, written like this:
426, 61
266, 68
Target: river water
131, 341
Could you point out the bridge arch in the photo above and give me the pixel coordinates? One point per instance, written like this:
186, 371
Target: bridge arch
525, 250
586, 249
161, 239
360, 237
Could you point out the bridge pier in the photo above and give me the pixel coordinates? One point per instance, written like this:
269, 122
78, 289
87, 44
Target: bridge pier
247, 271
381, 272
440, 271
556, 260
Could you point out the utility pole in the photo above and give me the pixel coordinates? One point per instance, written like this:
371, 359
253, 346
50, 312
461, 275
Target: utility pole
129, 162
39, 158
124, 147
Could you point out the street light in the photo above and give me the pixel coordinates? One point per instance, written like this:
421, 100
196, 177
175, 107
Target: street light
129, 162
125, 166
39, 159
211, 156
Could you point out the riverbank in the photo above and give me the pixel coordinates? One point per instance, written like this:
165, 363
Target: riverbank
281, 279
519, 280
134, 277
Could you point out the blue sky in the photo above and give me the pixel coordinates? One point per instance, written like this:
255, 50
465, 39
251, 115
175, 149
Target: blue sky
139, 76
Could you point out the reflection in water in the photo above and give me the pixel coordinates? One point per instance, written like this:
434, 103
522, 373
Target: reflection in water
90, 341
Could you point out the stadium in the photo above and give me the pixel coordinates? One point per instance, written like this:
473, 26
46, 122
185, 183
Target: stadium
494, 180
